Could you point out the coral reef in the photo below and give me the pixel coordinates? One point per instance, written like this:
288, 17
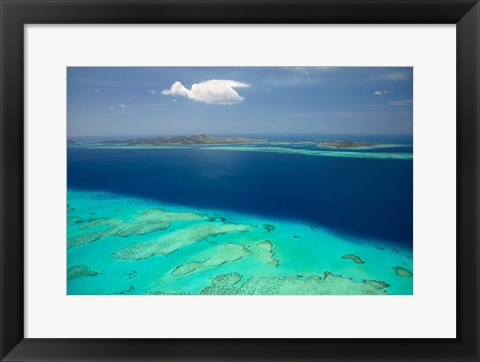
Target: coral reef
265, 253
222, 254
293, 285
74, 219
180, 238
269, 227
167, 216
225, 280
99, 223
353, 257
87, 238
78, 271
402, 271
335, 153
146, 222
141, 228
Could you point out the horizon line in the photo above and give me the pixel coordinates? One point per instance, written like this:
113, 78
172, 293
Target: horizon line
240, 134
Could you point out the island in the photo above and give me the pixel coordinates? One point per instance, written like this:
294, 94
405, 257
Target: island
345, 144
198, 139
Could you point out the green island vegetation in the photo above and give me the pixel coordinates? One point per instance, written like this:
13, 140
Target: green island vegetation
198, 139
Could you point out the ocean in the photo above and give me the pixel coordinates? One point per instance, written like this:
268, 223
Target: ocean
321, 206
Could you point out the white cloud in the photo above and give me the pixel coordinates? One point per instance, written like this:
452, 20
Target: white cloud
400, 103
382, 92
154, 105
119, 113
302, 70
122, 106
214, 91
400, 75
133, 95
153, 92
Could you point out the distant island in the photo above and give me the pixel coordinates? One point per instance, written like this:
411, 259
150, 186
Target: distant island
345, 144
202, 139
199, 139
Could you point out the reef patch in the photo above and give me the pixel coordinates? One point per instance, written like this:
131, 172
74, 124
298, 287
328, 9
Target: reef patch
78, 271
99, 223
226, 280
74, 219
180, 238
265, 253
141, 228
269, 227
222, 254
402, 271
293, 285
87, 238
148, 221
158, 215
353, 257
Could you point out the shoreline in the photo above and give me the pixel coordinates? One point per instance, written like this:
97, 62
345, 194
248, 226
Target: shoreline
274, 147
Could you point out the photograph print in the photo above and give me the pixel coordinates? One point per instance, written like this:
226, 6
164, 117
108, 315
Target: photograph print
239, 181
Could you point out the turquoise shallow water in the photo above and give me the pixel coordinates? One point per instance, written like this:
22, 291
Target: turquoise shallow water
282, 148
268, 253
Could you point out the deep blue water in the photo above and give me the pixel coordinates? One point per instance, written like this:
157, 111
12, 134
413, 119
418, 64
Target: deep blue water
365, 198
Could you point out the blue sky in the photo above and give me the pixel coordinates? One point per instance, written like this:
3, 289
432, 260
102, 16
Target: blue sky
153, 101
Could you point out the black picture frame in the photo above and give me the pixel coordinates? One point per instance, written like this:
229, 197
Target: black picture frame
17, 13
